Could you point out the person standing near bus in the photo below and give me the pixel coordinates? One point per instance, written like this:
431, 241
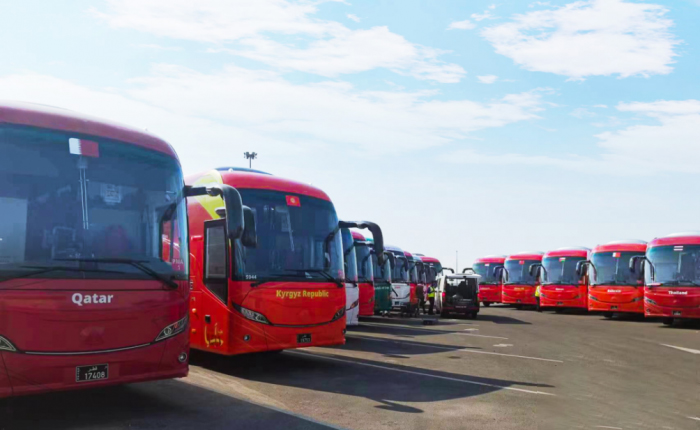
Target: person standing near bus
537, 298
431, 297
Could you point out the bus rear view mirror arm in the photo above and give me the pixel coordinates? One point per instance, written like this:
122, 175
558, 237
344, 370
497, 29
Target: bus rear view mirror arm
468, 269
249, 239
535, 268
638, 260
234, 208
582, 268
376, 235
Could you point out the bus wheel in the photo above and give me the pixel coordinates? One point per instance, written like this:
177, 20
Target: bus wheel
667, 321
607, 315
487, 304
518, 307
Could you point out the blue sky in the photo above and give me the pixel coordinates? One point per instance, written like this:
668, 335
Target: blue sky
480, 126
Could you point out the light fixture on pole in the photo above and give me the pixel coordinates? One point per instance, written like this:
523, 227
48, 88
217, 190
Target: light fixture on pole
250, 156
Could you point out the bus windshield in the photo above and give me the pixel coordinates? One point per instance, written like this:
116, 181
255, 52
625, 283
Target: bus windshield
560, 270
674, 265
487, 272
298, 237
67, 198
381, 273
518, 271
413, 272
399, 272
612, 268
349, 255
364, 262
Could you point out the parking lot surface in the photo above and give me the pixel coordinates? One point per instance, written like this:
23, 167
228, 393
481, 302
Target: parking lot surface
508, 369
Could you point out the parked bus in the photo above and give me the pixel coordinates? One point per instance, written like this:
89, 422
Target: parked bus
280, 285
561, 284
382, 282
671, 269
400, 286
490, 288
434, 265
355, 288
419, 279
519, 284
352, 285
93, 267
412, 309
613, 288
365, 274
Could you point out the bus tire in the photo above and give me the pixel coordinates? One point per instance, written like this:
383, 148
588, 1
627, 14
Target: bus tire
487, 304
607, 315
667, 321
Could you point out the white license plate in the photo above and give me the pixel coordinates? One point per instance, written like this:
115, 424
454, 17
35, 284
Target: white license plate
97, 372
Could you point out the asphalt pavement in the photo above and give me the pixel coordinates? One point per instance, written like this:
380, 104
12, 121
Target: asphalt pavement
509, 369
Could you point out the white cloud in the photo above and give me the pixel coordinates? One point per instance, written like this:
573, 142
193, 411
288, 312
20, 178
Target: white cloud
353, 52
487, 79
582, 113
668, 145
248, 28
353, 17
204, 114
157, 47
589, 38
461, 25
601, 106
482, 16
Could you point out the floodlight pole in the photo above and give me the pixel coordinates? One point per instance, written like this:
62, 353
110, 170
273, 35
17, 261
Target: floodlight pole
250, 156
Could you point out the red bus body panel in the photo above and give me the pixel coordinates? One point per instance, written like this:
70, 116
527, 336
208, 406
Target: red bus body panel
217, 327
672, 302
518, 293
491, 293
617, 298
366, 299
565, 296
53, 334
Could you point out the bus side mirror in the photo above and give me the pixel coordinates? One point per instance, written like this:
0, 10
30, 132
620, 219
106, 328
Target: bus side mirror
534, 269
634, 262
582, 268
234, 208
249, 239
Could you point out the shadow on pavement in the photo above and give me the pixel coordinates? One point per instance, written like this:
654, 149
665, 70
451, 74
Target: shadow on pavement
387, 347
418, 322
398, 331
385, 383
168, 404
498, 319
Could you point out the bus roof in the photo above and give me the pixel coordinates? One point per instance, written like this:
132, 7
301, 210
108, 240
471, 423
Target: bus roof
357, 236
408, 254
685, 238
430, 260
241, 169
260, 181
393, 249
526, 255
622, 245
55, 118
491, 259
574, 251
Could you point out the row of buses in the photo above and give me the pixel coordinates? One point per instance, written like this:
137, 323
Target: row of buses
656, 279
113, 264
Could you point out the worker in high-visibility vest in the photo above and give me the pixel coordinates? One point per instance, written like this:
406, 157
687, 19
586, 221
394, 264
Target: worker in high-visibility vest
431, 296
537, 297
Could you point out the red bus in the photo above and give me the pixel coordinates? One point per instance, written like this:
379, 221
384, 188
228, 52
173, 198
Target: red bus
490, 288
418, 276
364, 248
93, 279
519, 283
433, 268
561, 284
280, 285
612, 287
671, 270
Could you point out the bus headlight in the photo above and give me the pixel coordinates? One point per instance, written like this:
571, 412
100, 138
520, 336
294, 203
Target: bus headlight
251, 315
650, 301
354, 305
594, 298
338, 315
6, 345
636, 299
173, 329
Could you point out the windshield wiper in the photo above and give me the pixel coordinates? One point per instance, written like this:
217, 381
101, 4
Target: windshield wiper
679, 282
322, 273
135, 263
47, 269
